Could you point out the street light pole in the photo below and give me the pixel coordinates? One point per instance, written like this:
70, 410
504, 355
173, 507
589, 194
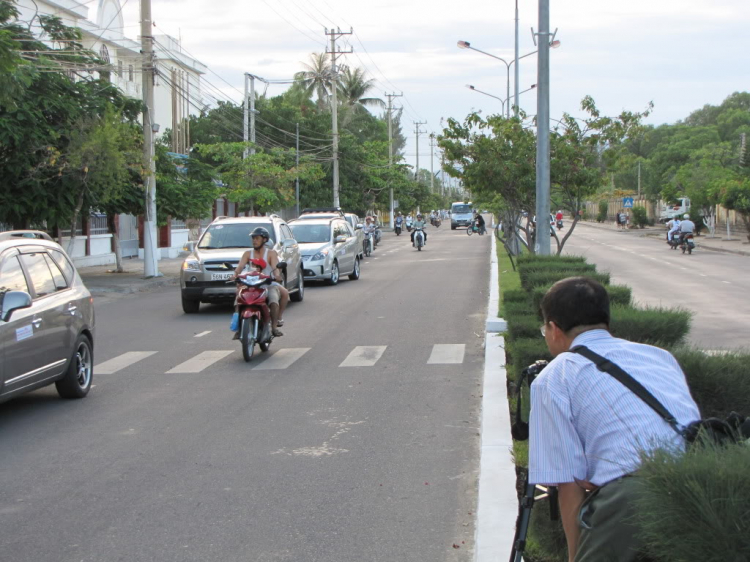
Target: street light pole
150, 247
502, 101
543, 239
515, 60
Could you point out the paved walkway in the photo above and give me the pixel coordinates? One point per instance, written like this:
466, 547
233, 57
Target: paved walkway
738, 245
103, 279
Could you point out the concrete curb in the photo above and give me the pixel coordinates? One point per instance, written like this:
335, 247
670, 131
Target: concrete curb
497, 499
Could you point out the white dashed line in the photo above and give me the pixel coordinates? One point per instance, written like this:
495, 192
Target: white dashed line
727, 282
202, 334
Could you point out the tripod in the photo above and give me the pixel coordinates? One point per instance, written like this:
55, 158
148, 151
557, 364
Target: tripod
524, 514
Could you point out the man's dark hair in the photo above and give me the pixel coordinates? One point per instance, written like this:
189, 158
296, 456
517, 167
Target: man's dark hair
576, 301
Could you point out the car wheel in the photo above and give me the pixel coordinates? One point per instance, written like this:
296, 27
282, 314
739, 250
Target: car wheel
77, 380
355, 274
299, 295
334, 274
190, 306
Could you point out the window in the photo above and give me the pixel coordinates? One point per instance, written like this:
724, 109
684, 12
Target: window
60, 283
311, 233
119, 68
339, 229
64, 264
235, 235
11, 276
41, 276
130, 73
286, 232
104, 54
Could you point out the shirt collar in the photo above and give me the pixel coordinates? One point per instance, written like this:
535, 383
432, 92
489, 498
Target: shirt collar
590, 336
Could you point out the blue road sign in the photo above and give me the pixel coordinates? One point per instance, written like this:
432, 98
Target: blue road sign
627, 202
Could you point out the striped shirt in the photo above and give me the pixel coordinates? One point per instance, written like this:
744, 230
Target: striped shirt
586, 425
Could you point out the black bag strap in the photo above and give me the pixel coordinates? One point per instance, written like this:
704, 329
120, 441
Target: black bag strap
606, 366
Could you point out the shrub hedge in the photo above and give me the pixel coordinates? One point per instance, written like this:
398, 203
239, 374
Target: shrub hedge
547, 278
656, 326
618, 295
570, 269
720, 384
528, 258
694, 507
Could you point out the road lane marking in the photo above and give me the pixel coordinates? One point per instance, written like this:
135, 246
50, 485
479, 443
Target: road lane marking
200, 362
444, 354
727, 282
282, 359
703, 275
202, 334
121, 361
364, 356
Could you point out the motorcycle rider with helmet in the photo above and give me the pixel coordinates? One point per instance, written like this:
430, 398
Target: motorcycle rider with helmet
258, 255
675, 230
419, 223
686, 227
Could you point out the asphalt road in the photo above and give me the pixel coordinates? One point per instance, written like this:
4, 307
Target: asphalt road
311, 461
713, 285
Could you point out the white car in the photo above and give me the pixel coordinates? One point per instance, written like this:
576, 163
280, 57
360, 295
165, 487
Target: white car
329, 249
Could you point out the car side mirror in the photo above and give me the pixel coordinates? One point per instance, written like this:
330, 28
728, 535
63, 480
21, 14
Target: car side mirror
281, 266
189, 246
339, 240
359, 227
14, 300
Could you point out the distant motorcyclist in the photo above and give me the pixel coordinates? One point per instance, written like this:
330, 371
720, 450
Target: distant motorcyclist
479, 221
260, 251
686, 227
675, 229
419, 223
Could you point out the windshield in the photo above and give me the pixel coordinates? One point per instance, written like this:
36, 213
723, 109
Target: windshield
311, 233
461, 209
220, 236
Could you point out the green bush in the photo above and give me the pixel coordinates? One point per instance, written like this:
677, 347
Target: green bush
603, 211
655, 326
513, 309
523, 352
523, 326
544, 278
529, 258
618, 295
694, 507
515, 296
720, 384
640, 217
531, 268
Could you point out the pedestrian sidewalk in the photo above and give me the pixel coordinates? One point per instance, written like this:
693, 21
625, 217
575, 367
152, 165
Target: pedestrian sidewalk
103, 279
738, 245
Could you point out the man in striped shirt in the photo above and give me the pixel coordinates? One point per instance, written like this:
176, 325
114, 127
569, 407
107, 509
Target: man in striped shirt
587, 431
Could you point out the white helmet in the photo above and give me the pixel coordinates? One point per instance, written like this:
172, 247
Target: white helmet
685, 216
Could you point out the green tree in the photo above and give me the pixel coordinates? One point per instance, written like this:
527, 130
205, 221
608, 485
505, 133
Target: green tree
316, 79
735, 195
353, 90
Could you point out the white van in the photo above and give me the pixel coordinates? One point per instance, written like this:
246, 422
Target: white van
461, 214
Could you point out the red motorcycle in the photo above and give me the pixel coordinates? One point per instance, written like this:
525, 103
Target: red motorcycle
255, 316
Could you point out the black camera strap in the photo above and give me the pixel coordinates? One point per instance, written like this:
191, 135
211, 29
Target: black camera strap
606, 366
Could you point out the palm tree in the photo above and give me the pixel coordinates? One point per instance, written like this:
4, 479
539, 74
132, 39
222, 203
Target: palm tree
353, 86
316, 78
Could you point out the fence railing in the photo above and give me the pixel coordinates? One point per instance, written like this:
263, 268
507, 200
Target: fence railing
178, 224
99, 224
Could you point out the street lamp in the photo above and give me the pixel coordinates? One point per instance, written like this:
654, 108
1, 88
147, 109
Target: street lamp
467, 45
502, 101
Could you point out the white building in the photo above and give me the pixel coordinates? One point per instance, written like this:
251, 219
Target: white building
177, 94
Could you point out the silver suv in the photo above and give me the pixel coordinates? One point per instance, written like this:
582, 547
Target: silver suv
46, 318
329, 249
204, 275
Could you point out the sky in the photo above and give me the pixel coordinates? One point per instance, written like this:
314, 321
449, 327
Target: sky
680, 55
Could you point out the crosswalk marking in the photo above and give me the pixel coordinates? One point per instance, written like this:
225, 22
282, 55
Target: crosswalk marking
121, 361
200, 362
443, 354
282, 359
364, 356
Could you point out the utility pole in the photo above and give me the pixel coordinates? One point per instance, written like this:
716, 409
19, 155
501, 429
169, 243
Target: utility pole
418, 132
639, 178
150, 249
335, 34
297, 156
515, 70
542, 245
390, 144
245, 118
432, 158
442, 175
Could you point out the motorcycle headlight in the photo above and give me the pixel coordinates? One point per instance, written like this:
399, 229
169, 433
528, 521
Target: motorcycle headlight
191, 265
320, 255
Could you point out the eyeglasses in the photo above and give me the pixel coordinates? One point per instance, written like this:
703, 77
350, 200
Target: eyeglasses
543, 329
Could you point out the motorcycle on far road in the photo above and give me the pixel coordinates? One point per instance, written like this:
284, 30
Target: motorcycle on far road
474, 228
560, 224
408, 224
674, 243
436, 222
397, 227
254, 314
367, 249
418, 238
687, 244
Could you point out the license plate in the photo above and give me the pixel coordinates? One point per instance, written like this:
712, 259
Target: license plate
221, 276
